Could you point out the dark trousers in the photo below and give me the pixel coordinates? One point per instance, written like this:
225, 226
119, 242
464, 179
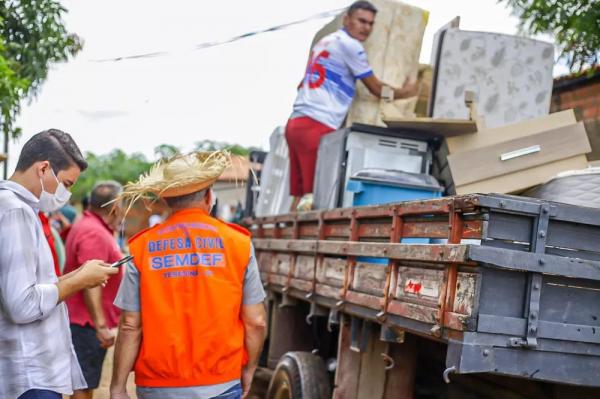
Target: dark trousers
235, 392
40, 394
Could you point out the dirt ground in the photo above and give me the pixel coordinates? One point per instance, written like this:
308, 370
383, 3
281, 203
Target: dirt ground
103, 390
259, 386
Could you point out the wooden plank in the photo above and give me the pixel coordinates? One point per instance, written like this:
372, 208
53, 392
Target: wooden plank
284, 245
562, 143
331, 272
336, 230
365, 300
281, 264
371, 381
305, 267
411, 229
439, 253
419, 284
382, 229
412, 311
464, 300
455, 321
329, 291
348, 365
450, 253
400, 381
443, 127
369, 278
302, 285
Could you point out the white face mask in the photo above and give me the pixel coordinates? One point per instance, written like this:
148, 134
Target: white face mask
53, 202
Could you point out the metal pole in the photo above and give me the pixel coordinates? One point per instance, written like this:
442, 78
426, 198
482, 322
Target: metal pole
5, 153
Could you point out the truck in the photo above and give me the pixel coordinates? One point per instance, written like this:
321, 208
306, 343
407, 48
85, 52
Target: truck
500, 298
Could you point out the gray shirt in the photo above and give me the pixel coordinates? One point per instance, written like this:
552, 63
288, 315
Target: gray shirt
128, 298
35, 340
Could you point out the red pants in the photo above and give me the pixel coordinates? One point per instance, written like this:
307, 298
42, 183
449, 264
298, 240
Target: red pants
303, 135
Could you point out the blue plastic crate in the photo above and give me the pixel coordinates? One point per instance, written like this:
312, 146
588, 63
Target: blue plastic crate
378, 186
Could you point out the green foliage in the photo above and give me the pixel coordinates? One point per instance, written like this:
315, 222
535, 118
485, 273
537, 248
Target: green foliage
235, 149
575, 25
32, 36
166, 151
124, 168
116, 165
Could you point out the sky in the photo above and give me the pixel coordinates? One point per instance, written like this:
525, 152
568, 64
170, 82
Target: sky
238, 93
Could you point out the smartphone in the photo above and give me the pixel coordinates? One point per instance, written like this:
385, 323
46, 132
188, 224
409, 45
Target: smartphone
122, 261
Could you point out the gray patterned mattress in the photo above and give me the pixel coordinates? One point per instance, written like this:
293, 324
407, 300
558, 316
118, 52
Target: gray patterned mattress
581, 187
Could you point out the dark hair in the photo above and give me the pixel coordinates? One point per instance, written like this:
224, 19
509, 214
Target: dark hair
85, 202
362, 5
104, 192
54, 146
183, 201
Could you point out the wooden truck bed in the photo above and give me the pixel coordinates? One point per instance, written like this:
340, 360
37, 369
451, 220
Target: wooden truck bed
511, 284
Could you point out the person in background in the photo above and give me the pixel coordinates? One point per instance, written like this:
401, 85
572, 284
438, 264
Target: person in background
193, 321
91, 312
85, 203
51, 238
63, 219
37, 359
324, 97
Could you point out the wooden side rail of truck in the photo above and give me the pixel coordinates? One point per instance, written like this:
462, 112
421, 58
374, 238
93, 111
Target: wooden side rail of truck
507, 286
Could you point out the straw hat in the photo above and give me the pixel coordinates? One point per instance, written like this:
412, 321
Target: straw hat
179, 175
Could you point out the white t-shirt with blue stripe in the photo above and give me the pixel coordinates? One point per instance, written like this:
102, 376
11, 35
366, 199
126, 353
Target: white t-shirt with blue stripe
329, 85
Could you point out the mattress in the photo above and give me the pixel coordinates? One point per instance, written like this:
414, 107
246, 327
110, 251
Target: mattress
580, 187
511, 77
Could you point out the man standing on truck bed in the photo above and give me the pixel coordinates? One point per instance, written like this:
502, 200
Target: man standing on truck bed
326, 93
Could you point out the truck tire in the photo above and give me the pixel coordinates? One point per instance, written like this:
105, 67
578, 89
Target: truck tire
300, 375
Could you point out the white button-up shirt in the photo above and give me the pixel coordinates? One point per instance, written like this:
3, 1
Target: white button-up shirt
35, 340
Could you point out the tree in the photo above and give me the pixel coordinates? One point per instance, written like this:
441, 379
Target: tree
116, 165
166, 151
235, 149
32, 37
575, 24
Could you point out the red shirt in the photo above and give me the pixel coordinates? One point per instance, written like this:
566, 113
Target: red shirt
91, 238
50, 239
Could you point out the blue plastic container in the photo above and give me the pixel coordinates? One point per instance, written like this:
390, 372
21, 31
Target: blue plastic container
381, 186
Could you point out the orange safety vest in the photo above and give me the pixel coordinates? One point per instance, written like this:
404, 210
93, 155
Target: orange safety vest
192, 270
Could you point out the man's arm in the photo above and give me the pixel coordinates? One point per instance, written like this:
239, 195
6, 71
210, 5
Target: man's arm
92, 298
254, 318
375, 86
130, 331
126, 351
68, 275
91, 274
23, 297
90, 248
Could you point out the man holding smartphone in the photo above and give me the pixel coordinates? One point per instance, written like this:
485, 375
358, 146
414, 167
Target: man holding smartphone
91, 312
36, 356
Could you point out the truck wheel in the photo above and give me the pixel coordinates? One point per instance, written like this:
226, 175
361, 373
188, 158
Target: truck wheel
300, 375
